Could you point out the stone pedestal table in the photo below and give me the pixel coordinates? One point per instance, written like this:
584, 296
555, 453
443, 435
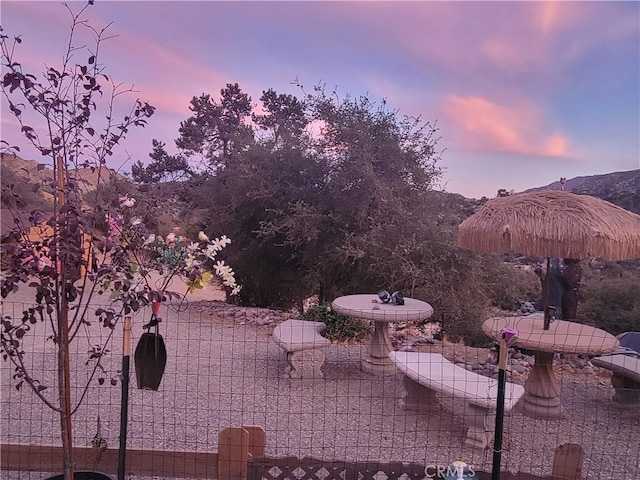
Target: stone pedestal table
541, 399
370, 307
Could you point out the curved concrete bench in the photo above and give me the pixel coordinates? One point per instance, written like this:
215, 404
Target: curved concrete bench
429, 373
625, 365
304, 347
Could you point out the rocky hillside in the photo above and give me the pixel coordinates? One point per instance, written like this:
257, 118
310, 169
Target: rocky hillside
25, 173
619, 188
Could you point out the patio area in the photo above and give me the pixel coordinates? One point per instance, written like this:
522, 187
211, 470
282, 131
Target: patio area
221, 373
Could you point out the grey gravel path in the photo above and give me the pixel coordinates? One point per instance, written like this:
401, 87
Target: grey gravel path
222, 374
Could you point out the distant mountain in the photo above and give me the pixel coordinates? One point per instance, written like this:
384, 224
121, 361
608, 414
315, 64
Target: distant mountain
619, 188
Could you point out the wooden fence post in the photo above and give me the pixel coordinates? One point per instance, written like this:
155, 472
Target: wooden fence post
235, 446
567, 461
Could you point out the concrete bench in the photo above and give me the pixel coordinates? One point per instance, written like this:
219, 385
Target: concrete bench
625, 365
304, 348
426, 374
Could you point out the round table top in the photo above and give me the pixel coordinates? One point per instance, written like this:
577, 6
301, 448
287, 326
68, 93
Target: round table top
562, 337
370, 307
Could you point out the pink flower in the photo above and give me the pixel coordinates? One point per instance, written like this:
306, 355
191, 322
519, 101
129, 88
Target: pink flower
114, 225
44, 262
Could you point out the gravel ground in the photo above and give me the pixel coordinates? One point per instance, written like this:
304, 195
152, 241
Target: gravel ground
221, 373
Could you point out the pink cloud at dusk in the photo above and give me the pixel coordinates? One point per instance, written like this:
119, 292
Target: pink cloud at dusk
518, 89
484, 127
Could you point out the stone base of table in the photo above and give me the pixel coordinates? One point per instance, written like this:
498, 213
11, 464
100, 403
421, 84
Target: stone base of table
540, 408
378, 366
541, 399
378, 363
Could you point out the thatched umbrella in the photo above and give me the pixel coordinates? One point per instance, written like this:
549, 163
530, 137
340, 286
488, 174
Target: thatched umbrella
549, 224
552, 224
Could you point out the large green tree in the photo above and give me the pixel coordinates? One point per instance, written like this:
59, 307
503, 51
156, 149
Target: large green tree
162, 168
284, 119
217, 130
324, 215
348, 208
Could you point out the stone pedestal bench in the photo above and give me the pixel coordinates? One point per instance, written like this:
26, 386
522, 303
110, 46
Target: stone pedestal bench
624, 362
304, 348
429, 373
626, 375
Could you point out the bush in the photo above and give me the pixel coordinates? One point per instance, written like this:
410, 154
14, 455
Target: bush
339, 327
510, 285
611, 303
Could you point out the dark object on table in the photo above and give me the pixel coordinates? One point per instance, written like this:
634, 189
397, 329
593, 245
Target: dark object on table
384, 296
397, 298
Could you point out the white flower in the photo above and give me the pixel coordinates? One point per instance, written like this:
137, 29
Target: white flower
127, 201
202, 236
226, 273
210, 252
136, 221
220, 243
193, 246
150, 239
171, 238
221, 268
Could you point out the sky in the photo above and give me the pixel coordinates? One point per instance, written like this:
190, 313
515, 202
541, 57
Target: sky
522, 93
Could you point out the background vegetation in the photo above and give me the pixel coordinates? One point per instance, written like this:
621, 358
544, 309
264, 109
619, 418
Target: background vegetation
326, 196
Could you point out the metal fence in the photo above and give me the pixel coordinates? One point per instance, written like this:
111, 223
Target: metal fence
224, 370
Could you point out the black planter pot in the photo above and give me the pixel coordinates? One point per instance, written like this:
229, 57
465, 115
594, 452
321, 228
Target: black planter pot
150, 360
82, 476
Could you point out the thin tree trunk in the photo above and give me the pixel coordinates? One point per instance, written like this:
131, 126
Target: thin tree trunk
64, 375
65, 390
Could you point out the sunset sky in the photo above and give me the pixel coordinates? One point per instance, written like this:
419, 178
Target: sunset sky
523, 92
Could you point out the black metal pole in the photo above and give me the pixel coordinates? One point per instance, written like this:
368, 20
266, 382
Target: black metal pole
502, 380
124, 403
545, 297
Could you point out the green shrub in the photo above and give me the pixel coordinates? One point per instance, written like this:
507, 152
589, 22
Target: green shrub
339, 327
611, 303
509, 285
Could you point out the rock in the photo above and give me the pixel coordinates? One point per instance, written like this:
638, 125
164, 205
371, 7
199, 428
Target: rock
580, 362
518, 367
425, 340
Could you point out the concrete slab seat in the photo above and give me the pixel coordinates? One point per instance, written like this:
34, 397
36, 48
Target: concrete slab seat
304, 348
426, 374
624, 362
